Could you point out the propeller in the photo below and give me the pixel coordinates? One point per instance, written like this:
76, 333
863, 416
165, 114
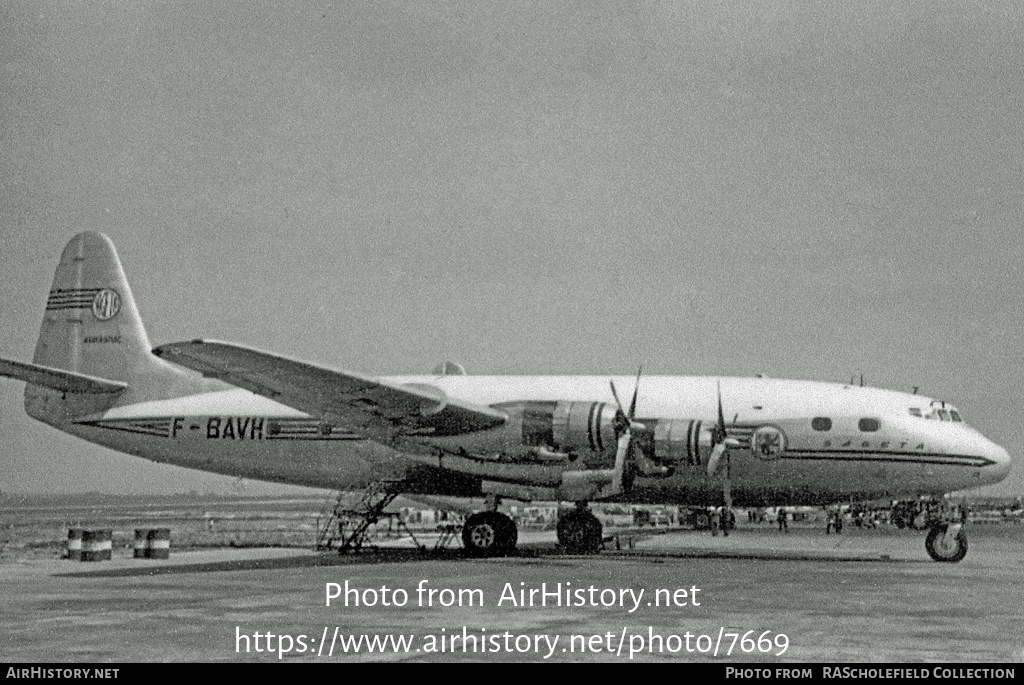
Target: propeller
626, 423
720, 442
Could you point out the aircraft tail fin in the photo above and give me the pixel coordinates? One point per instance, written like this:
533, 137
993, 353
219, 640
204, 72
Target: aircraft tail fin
91, 325
92, 341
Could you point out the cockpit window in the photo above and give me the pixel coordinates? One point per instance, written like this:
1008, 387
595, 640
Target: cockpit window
938, 411
821, 423
868, 425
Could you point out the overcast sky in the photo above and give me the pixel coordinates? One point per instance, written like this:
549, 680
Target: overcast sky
537, 187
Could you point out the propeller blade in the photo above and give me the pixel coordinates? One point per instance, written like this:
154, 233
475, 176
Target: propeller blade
718, 432
616, 396
622, 422
627, 418
716, 456
619, 481
636, 390
721, 414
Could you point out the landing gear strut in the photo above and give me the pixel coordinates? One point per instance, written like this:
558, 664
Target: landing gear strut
947, 542
489, 534
580, 532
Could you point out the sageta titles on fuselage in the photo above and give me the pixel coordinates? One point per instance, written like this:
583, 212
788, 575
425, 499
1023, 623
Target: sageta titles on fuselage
258, 415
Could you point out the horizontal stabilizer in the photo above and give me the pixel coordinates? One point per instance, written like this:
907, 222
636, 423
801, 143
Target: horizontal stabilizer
58, 379
365, 406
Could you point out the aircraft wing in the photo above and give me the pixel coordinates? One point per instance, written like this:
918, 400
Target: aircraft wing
365, 406
58, 379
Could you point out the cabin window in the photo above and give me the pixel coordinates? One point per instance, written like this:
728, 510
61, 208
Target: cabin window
915, 411
868, 425
944, 415
821, 423
955, 415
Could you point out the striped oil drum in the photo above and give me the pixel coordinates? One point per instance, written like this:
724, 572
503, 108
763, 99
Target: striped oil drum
159, 543
96, 545
141, 545
74, 552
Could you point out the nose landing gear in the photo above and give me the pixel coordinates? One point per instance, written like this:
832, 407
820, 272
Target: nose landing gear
947, 542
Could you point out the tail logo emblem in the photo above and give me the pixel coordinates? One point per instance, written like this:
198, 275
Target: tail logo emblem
106, 304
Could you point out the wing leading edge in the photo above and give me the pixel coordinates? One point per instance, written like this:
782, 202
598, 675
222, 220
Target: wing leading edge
376, 410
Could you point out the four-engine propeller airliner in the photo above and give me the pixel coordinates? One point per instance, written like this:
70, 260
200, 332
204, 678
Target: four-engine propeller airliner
233, 410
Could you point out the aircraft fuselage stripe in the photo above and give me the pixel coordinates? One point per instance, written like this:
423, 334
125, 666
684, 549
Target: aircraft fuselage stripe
327, 438
894, 457
310, 430
277, 429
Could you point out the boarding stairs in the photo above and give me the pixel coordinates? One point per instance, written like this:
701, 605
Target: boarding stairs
348, 528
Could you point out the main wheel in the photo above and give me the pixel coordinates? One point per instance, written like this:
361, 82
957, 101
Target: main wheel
489, 534
580, 532
942, 546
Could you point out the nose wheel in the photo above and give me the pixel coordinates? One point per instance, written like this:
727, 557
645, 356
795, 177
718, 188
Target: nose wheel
947, 543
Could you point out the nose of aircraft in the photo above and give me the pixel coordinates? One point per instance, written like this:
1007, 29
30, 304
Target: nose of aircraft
1001, 468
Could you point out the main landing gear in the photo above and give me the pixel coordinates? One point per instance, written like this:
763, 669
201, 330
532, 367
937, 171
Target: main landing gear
947, 542
492, 534
489, 534
579, 531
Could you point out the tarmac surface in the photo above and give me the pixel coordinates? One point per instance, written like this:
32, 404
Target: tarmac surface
865, 596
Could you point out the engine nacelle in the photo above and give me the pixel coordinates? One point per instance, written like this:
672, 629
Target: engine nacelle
579, 430
584, 434
680, 443
688, 443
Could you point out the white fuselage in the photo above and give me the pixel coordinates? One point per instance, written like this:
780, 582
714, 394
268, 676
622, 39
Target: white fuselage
894, 453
